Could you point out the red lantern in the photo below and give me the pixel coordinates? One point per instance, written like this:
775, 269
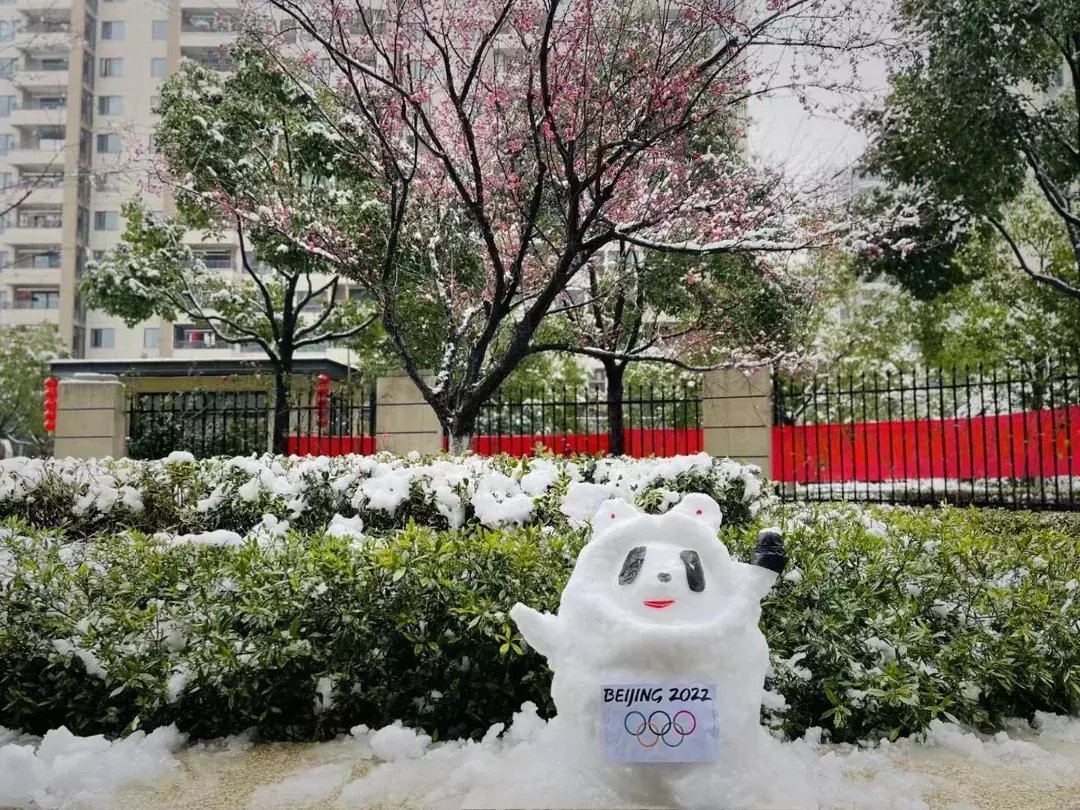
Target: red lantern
51, 390
322, 400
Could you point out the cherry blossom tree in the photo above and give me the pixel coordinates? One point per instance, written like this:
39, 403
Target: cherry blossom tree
516, 139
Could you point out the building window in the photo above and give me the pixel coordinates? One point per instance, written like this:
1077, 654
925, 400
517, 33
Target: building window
3, 259
106, 220
8, 66
189, 336
37, 299
151, 337
5, 143
160, 29
157, 67
6, 105
108, 144
110, 105
216, 259
7, 31
7, 179
102, 338
112, 30
49, 260
112, 67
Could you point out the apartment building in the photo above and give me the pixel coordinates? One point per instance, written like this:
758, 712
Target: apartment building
78, 83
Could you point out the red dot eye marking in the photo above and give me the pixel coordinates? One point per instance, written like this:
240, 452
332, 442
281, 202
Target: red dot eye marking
612, 515
699, 512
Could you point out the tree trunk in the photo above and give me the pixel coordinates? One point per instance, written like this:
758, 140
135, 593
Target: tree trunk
459, 429
457, 445
282, 383
614, 372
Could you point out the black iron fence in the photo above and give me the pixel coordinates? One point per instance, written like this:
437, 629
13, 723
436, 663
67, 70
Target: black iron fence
655, 421
967, 436
238, 423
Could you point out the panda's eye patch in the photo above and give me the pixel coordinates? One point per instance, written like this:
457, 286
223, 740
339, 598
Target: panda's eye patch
632, 565
695, 574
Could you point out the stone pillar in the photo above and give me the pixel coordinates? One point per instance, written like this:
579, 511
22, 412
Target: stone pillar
403, 420
90, 418
737, 412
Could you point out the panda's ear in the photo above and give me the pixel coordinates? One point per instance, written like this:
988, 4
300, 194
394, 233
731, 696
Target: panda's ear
612, 512
701, 507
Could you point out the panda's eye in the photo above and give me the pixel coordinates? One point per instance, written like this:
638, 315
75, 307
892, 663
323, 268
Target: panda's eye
695, 574
632, 565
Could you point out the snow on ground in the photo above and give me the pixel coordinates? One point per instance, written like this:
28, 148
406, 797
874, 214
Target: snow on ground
950, 769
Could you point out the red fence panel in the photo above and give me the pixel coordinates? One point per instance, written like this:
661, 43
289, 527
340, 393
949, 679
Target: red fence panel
1018, 445
330, 445
640, 442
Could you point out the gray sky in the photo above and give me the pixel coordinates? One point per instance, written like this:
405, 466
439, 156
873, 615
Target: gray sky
820, 142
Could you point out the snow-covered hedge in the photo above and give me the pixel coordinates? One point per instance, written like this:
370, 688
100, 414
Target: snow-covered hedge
180, 494
886, 619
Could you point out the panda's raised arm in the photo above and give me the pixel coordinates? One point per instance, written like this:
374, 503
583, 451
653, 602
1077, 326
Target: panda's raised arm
768, 563
538, 629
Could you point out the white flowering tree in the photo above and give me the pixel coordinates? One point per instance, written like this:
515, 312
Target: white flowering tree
515, 140
689, 312
236, 153
25, 352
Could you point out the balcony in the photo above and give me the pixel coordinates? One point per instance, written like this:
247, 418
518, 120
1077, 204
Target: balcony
46, 191
33, 114
218, 24
23, 275
42, 34
36, 79
45, 154
38, 8
215, 58
12, 316
35, 229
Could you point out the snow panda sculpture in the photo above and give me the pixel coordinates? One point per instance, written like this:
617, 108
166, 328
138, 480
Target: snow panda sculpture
656, 599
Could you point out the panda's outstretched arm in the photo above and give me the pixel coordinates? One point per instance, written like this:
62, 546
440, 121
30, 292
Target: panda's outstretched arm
538, 629
769, 561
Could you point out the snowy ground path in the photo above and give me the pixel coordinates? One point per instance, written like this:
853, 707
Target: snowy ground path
952, 770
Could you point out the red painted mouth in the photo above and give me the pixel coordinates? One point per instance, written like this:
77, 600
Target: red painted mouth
659, 604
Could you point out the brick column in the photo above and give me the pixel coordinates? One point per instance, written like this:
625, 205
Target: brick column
737, 412
403, 420
90, 418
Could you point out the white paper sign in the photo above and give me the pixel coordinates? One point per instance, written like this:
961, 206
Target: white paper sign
653, 722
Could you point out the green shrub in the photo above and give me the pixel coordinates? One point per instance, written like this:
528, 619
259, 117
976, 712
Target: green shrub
886, 619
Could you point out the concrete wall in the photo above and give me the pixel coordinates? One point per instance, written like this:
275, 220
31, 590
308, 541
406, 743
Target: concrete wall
736, 411
736, 414
403, 420
90, 418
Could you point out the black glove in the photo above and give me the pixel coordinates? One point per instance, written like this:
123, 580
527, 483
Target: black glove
769, 552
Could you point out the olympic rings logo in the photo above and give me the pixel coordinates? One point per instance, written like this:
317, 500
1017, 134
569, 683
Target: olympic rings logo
660, 727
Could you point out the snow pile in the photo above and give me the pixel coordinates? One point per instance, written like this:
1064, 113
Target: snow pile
64, 769
525, 765
345, 528
395, 742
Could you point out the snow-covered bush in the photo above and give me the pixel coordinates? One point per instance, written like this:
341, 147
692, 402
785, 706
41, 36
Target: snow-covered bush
180, 494
890, 617
886, 619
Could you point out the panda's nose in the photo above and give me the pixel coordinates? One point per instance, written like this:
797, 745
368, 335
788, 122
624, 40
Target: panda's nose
664, 576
